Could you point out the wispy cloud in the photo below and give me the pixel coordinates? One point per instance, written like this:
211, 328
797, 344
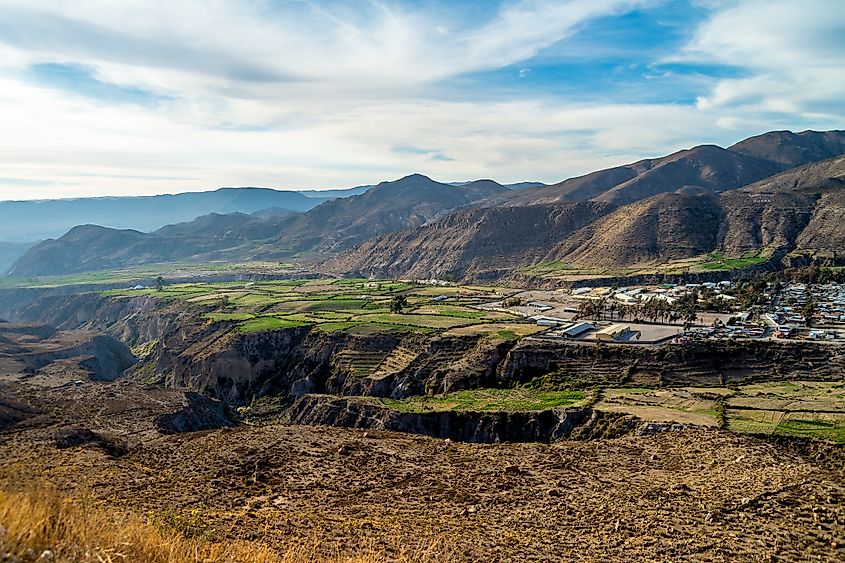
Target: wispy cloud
361, 44
793, 54
100, 97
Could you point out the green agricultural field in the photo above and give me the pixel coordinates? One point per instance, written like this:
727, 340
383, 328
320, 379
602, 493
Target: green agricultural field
490, 400
451, 311
718, 261
833, 430
339, 305
263, 324
335, 326
548, 266
497, 330
795, 408
132, 274
359, 306
425, 321
715, 261
218, 317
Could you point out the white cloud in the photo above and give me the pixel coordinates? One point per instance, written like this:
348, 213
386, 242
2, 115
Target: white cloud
319, 95
793, 55
256, 45
81, 147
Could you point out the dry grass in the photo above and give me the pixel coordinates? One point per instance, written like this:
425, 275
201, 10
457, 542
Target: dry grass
38, 524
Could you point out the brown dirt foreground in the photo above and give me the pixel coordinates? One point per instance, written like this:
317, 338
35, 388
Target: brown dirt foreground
333, 494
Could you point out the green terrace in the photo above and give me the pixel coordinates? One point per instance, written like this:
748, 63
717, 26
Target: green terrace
711, 262
814, 409
131, 274
718, 261
490, 400
329, 305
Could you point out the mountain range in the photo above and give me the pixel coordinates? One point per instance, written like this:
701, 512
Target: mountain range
773, 194
29, 221
274, 233
684, 205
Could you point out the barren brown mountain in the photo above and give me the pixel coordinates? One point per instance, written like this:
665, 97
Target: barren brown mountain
390, 206
330, 227
798, 210
706, 166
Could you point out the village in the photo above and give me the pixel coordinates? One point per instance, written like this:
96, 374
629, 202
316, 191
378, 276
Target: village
684, 313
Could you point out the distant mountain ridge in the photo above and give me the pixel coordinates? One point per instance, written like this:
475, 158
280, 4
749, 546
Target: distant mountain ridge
91, 247
29, 221
706, 166
406, 203
37, 220
778, 192
332, 226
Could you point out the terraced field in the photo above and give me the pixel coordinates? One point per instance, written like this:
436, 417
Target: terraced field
491, 400
793, 408
712, 262
352, 305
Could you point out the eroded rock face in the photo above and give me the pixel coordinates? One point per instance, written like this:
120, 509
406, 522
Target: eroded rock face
293, 362
114, 446
13, 412
482, 427
214, 359
198, 413
716, 363
40, 349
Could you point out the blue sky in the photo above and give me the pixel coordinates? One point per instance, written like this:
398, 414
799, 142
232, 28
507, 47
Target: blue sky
138, 97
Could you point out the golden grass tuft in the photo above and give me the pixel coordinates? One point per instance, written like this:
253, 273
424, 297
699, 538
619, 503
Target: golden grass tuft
34, 521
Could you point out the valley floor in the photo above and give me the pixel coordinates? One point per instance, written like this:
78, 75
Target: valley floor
699, 494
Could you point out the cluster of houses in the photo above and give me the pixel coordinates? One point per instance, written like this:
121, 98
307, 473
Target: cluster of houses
778, 316
665, 292
748, 329
824, 303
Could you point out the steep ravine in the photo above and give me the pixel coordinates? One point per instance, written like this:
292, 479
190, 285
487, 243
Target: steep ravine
181, 349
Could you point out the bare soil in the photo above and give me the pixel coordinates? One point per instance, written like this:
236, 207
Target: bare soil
697, 494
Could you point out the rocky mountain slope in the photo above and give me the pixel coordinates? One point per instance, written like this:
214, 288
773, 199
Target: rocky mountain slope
680, 206
795, 211
47, 356
390, 206
479, 243
798, 210
11, 251
705, 166
38, 220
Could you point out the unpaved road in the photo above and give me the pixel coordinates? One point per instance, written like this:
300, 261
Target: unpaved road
698, 494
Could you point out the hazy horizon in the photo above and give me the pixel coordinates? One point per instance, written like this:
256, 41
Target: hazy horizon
201, 189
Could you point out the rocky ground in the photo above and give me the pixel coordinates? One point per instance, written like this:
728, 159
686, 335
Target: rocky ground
45, 357
697, 494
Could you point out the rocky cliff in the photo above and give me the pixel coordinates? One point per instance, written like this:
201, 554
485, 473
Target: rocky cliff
481, 243
30, 349
485, 427
709, 363
184, 350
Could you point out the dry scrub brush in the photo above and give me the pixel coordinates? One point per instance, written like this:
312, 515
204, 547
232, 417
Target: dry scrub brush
42, 525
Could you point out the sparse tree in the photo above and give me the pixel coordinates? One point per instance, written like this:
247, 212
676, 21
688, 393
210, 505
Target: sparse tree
808, 310
159, 284
398, 303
